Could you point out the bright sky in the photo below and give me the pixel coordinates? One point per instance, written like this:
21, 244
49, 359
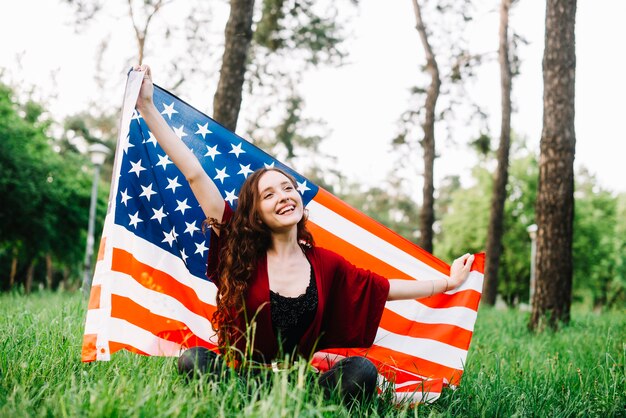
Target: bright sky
363, 101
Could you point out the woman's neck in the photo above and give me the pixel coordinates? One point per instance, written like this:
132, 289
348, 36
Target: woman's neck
284, 244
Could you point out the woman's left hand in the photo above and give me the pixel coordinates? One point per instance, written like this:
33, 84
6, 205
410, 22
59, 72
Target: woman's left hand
460, 269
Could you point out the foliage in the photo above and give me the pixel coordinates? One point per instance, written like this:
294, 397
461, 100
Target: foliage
45, 195
599, 247
509, 372
296, 26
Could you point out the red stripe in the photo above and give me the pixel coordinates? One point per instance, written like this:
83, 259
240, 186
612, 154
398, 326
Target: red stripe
101, 248
115, 346
89, 347
445, 333
404, 361
160, 326
94, 297
468, 298
341, 208
159, 281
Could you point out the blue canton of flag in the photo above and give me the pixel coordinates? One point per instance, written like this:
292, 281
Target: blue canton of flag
155, 202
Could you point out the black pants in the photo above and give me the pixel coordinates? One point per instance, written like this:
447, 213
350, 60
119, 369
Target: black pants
352, 377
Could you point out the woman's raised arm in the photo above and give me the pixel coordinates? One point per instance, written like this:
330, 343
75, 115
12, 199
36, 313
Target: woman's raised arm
204, 189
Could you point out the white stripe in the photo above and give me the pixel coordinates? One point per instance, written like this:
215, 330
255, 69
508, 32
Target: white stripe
415, 397
431, 350
164, 305
415, 311
370, 243
127, 333
93, 321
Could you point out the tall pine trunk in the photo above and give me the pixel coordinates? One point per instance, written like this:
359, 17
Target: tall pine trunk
555, 197
48, 271
496, 217
30, 274
427, 212
238, 34
13, 271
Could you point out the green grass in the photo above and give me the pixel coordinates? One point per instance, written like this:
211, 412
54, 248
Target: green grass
578, 371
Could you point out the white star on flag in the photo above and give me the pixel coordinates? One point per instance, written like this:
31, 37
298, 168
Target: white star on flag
221, 175
164, 160
191, 228
169, 110
182, 206
180, 132
158, 214
147, 191
152, 139
203, 130
134, 219
200, 248
302, 187
137, 168
269, 165
172, 184
125, 197
170, 237
236, 150
245, 170
127, 145
212, 152
231, 197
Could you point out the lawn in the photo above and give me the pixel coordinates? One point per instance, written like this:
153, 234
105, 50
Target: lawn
578, 371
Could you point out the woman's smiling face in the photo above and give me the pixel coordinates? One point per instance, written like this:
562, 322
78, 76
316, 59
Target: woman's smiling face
280, 204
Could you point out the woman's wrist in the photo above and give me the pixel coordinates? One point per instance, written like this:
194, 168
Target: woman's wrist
147, 108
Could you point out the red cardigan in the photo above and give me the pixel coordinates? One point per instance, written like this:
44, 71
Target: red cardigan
350, 303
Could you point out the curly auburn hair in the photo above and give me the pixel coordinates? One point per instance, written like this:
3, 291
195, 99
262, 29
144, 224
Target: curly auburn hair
246, 239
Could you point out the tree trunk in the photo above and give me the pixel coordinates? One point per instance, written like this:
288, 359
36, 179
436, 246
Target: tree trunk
427, 211
48, 271
555, 197
142, 33
13, 272
30, 272
238, 34
498, 198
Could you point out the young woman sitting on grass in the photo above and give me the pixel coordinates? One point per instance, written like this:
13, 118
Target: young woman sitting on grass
300, 298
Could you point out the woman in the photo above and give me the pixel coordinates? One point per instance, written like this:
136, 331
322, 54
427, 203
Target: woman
278, 294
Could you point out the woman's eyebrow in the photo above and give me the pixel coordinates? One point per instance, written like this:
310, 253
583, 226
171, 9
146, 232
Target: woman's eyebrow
286, 182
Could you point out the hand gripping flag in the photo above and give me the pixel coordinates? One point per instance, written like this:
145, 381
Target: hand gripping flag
150, 294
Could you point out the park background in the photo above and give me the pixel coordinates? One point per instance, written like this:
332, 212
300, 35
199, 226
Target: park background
341, 110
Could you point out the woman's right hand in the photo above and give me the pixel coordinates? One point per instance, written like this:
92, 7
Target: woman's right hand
147, 89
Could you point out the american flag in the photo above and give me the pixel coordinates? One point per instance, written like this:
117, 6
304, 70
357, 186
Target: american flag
150, 294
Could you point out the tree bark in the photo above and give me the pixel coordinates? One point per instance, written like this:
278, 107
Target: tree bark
496, 217
13, 272
49, 271
30, 272
555, 197
238, 34
427, 211
142, 33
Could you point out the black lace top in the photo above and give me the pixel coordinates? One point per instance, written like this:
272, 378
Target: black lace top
292, 316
